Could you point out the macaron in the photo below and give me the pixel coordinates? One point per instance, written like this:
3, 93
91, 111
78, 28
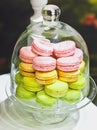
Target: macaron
57, 89
42, 47
72, 96
26, 55
41, 63
71, 63
64, 48
45, 100
31, 84
79, 54
46, 77
82, 66
18, 78
68, 76
79, 84
23, 94
27, 67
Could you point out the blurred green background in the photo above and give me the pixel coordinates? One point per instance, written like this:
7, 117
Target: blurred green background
15, 17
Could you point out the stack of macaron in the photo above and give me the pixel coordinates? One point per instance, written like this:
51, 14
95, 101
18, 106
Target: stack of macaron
51, 71
26, 56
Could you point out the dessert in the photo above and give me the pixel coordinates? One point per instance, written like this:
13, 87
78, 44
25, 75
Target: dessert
18, 78
42, 47
46, 77
68, 76
31, 84
71, 63
52, 71
78, 53
27, 67
45, 100
26, 55
41, 63
64, 49
82, 66
72, 96
79, 84
57, 89
23, 94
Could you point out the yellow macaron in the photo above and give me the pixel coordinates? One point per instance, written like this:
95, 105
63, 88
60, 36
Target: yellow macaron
82, 66
46, 77
68, 76
26, 67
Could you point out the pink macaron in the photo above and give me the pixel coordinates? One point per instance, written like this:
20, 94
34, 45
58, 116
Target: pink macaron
41, 63
42, 47
64, 49
79, 54
68, 63
26, 55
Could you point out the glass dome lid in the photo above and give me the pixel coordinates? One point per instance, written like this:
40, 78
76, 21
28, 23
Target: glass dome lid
50, 69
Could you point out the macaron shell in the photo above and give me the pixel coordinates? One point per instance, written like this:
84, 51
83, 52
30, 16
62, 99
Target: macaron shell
69, 80
46, 75
57, 89
45, 100
68, 74
44, 82
27, 74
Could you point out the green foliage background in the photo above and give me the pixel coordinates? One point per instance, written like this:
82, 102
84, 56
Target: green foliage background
74, 10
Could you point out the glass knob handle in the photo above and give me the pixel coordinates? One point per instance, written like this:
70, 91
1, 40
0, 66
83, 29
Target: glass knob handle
51, 13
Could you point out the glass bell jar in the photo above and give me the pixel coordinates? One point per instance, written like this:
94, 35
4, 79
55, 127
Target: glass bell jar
50, 70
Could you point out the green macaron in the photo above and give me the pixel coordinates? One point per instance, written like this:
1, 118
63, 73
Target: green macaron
72, 96
45, 100
23, 94
18, 78
31, 84
79, 84
57, 89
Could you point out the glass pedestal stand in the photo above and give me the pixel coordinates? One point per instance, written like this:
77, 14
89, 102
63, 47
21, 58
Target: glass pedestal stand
14, 117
